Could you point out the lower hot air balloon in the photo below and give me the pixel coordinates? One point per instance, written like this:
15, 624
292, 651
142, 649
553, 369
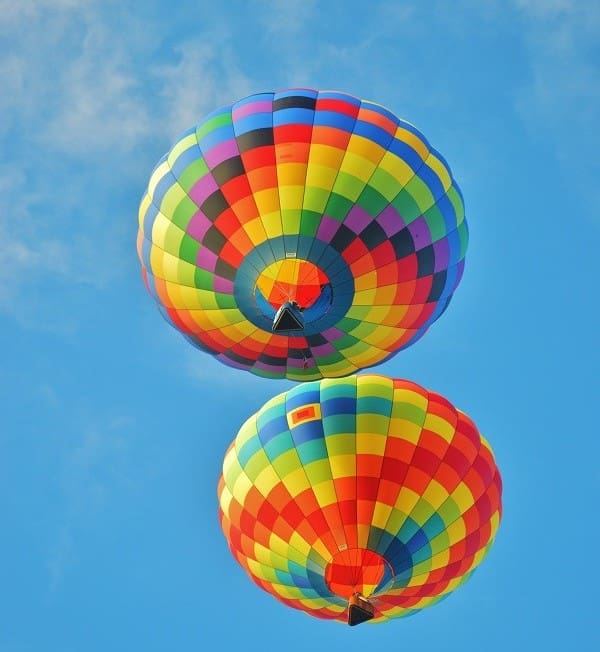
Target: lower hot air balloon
361, 498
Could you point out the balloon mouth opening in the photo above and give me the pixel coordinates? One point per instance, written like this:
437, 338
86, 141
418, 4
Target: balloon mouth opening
291, 293
357, 571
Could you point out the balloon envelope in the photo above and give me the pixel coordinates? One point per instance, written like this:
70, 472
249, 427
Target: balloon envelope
317, 201
364, 485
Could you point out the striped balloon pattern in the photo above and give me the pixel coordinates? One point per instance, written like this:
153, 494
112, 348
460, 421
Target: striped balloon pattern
363, 484
316, 198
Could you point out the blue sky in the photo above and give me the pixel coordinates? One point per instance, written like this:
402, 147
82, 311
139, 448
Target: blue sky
113, 429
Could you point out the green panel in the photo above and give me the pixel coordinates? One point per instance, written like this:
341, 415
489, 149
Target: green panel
192, 174
257, 463
203, 280
189, 249
384, 183
213, 123
344, 444
315, 199
435, 223
225, 301
338, 207
309, 224
312, 450
183, 213
372, 201
457, 202
406, 206
318, 471
409, 412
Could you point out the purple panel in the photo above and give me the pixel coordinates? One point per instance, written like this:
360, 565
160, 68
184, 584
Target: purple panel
198, 226
357, 219
333, 334
442, 255
223, 285
203, 188
222, 357
263, 106
221, 152
420, 233
327, 228
323, 350
206, 259
390, 220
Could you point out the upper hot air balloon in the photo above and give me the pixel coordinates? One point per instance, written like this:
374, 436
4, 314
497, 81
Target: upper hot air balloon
302, 234
359, 498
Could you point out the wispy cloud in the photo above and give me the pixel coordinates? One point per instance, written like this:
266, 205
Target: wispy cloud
562, 100
95, 470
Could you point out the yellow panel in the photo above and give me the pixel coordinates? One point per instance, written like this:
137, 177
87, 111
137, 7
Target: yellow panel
291, 197
325, 493
397, 168
402, 395
396, 520
342, 466
463, 497
456, 531
246, 432
255, 230
158, 174
414, 141
325, 155
241, 488
225, 500
181, 146
366, 281
144, 205
291, 174
272, 224
357, 166
364, 298
296, 482
299, 543
267, 201
440, 426
381, 514
406, 500
266, 480
160, 226
435, 493
365, 148
368, 443
422, 512
172, 198
440, 169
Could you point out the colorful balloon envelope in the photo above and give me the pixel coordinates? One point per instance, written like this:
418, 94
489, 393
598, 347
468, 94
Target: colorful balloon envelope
302, 234
359, 498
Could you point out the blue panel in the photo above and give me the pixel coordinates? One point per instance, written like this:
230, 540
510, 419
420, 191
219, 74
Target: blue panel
406, 153
186, 158
338, 405
373, 132
252, 122
302, 395
307, 431
216, 137
293, 116
336, 120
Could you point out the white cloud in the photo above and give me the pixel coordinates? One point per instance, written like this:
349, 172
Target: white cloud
204, 76
562, 101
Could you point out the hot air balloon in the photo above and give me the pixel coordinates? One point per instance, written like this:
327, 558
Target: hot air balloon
302, 234
359, 498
